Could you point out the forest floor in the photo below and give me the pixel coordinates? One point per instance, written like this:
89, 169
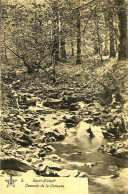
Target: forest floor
88, 100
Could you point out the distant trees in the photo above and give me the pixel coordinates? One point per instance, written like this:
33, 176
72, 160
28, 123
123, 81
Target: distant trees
55, 31
122, 16
28, 39
111, 33
62, 39
116, 14
50, 29
110, 20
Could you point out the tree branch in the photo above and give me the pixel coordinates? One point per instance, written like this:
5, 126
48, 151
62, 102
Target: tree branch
14, 53
42, 59
89, 17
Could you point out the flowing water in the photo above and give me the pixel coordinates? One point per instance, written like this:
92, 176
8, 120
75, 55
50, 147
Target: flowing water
79, 153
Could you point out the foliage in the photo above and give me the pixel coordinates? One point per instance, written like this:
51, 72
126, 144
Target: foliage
55, 30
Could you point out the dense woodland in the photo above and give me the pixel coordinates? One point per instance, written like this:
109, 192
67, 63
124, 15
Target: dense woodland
56, 30
64, 71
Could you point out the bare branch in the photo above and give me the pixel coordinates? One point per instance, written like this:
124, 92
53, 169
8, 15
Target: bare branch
91, 14
14, 53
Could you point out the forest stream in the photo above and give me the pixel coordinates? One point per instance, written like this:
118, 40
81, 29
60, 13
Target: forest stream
80, 152
64, 93
84, 157
68, 143
50, 133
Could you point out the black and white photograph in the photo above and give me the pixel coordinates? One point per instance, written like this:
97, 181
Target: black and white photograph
64, 97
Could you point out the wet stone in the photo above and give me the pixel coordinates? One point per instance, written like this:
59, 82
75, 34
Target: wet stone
21, 119
42, 153
23, 142
42, 118
29, 159
26, 130
74, 107
14, 111
30, 102
6, 119
53, 103
7, 146
22, 151
14, 164
68, 173
35, 124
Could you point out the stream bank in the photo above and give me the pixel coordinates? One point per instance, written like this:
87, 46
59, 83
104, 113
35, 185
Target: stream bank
53, 141
64, 130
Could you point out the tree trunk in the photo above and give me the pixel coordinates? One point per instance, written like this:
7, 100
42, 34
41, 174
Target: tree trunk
62, 47
108, 19
62, 41
78, 57
122, 15
99, 46
5, 50
55, 33
106, 48
30, 69
111, 35
72, 49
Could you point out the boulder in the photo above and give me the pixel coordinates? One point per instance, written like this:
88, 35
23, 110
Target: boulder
42, 118
22, 151
74, 107
15, 111
42, 153
41, 145
52, 165
85, 129
24, 140
31, 101
29, 159
53, 103
97, 131
14, 164
35, 125
48, 168
29, 117
118, 148
122, 153
72, 121
88, 120
81, 129
6, 119
26, 130
116, 126
21, 119
6, 146
48, 148
57, 131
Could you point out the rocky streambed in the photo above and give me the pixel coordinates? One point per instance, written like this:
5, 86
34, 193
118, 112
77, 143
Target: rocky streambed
66, 137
